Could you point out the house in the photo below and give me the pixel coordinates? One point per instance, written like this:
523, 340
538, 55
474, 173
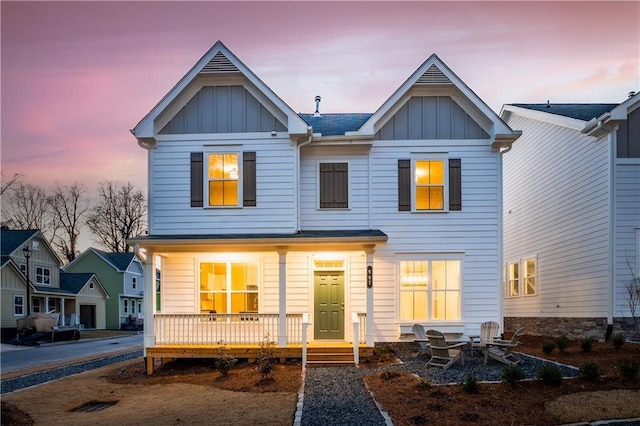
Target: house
79, 298
122, 275
318, 229
572, 217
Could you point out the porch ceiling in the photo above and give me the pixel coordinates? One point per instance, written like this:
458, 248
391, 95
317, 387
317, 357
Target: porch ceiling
303, 240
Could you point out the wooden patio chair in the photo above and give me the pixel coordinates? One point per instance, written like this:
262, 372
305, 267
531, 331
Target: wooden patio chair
421, 340
488, 333
502, 350
444, 355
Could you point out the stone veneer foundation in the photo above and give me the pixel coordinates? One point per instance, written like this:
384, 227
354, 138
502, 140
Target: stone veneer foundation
574, 328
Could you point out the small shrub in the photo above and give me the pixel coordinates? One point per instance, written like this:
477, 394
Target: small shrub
223, 360
389, 375
550, 375
470, 384
512, 374
618, 340
590, 371
629, 370
424, 383
266, 361
563, 342
548, 347
587, 344
384, 353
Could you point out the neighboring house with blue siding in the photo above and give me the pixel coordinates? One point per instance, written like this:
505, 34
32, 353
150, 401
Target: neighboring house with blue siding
319, 228
572, 217
78, 298
122, 275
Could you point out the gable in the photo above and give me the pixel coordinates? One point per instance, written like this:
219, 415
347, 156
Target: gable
222, 109
431, 117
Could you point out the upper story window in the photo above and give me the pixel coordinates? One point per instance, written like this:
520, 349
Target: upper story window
334, 185
23, 268
43, 275
430, 183
229, 181
223, 177
529, 271
134, 283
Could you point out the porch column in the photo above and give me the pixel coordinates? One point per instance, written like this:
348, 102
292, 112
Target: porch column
62, 312
369, 250
282, 297
46, 304
149, 297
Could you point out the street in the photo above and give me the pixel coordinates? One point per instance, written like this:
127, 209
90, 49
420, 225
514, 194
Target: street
22, 357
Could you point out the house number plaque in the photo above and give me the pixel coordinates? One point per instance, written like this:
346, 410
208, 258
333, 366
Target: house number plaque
369, 276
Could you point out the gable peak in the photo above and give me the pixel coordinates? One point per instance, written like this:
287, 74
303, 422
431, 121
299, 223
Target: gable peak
433, 76
219, 64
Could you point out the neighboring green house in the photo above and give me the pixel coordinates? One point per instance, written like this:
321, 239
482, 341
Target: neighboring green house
122, 274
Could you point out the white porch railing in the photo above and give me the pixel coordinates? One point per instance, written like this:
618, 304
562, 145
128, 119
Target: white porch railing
206, 329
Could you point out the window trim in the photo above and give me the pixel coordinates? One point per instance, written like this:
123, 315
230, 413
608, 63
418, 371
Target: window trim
518, 279
432, 257
239, 181
523, 273
39, 276
229, 290
22, 305
318, 181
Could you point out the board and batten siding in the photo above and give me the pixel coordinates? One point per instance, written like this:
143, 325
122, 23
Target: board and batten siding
471, 232
627, 230
556, 207
170, 189
12, 285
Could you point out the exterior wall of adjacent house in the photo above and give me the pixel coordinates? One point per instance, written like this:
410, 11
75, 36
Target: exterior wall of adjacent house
12, 285
557, 210
94, 297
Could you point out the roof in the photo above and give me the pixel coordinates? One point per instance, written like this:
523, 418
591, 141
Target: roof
583, 112
120, 261
11, 239
70, 282
336, 124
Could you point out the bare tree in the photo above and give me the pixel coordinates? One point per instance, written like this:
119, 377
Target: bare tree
119, 214
8, 184
69, 206
27, 207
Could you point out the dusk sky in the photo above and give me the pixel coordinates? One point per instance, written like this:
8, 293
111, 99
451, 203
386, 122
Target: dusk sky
76, 76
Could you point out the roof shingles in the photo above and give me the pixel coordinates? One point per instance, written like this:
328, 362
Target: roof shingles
583, 112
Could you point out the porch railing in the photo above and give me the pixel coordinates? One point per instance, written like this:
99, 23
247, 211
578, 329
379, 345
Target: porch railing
241, 328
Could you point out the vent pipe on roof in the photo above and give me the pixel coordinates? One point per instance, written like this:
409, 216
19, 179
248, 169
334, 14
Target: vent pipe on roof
317, 113
632, 94
548, 105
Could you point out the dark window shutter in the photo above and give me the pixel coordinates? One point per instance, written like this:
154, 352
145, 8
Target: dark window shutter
249, 179
455, 184
404, 185
334, 185
196, 179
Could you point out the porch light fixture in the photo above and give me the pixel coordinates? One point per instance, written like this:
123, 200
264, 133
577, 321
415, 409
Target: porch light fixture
27, 252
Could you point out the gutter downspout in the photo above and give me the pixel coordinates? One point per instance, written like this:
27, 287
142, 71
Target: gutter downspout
612, 154
297, 177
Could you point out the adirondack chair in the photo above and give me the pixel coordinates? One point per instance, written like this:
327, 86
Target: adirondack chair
443, 354
502, 350
421, 340
488, 332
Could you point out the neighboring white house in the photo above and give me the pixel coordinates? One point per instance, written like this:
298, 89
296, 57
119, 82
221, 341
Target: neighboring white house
572, 217
363, 223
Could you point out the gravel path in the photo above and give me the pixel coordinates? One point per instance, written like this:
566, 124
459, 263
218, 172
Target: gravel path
21, 382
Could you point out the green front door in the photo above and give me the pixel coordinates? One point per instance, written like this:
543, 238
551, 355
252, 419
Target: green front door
329, 305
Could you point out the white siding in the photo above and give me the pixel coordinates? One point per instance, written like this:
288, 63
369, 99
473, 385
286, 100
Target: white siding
556, 206
627, 230
169, 190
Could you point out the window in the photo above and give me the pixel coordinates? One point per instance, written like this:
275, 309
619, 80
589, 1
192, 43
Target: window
425, 185
125, 306
134, 283
430, 290
514, 279
23, 268
228, 287
18, 306
133, 307
529, 270
36, 305
139, 306
224, 183
334, 185
43, 275
91, 285
158, 288
51, 306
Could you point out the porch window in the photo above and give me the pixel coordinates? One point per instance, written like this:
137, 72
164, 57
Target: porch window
223, 174
36, 305
529, 270
229, 287
514, 279
430, 290
52, 305
18, 305
125, 306
43, 275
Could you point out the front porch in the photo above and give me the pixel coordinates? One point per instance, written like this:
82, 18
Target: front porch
198, 335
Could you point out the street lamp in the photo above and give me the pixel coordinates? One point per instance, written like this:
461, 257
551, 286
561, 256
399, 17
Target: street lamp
27, 254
